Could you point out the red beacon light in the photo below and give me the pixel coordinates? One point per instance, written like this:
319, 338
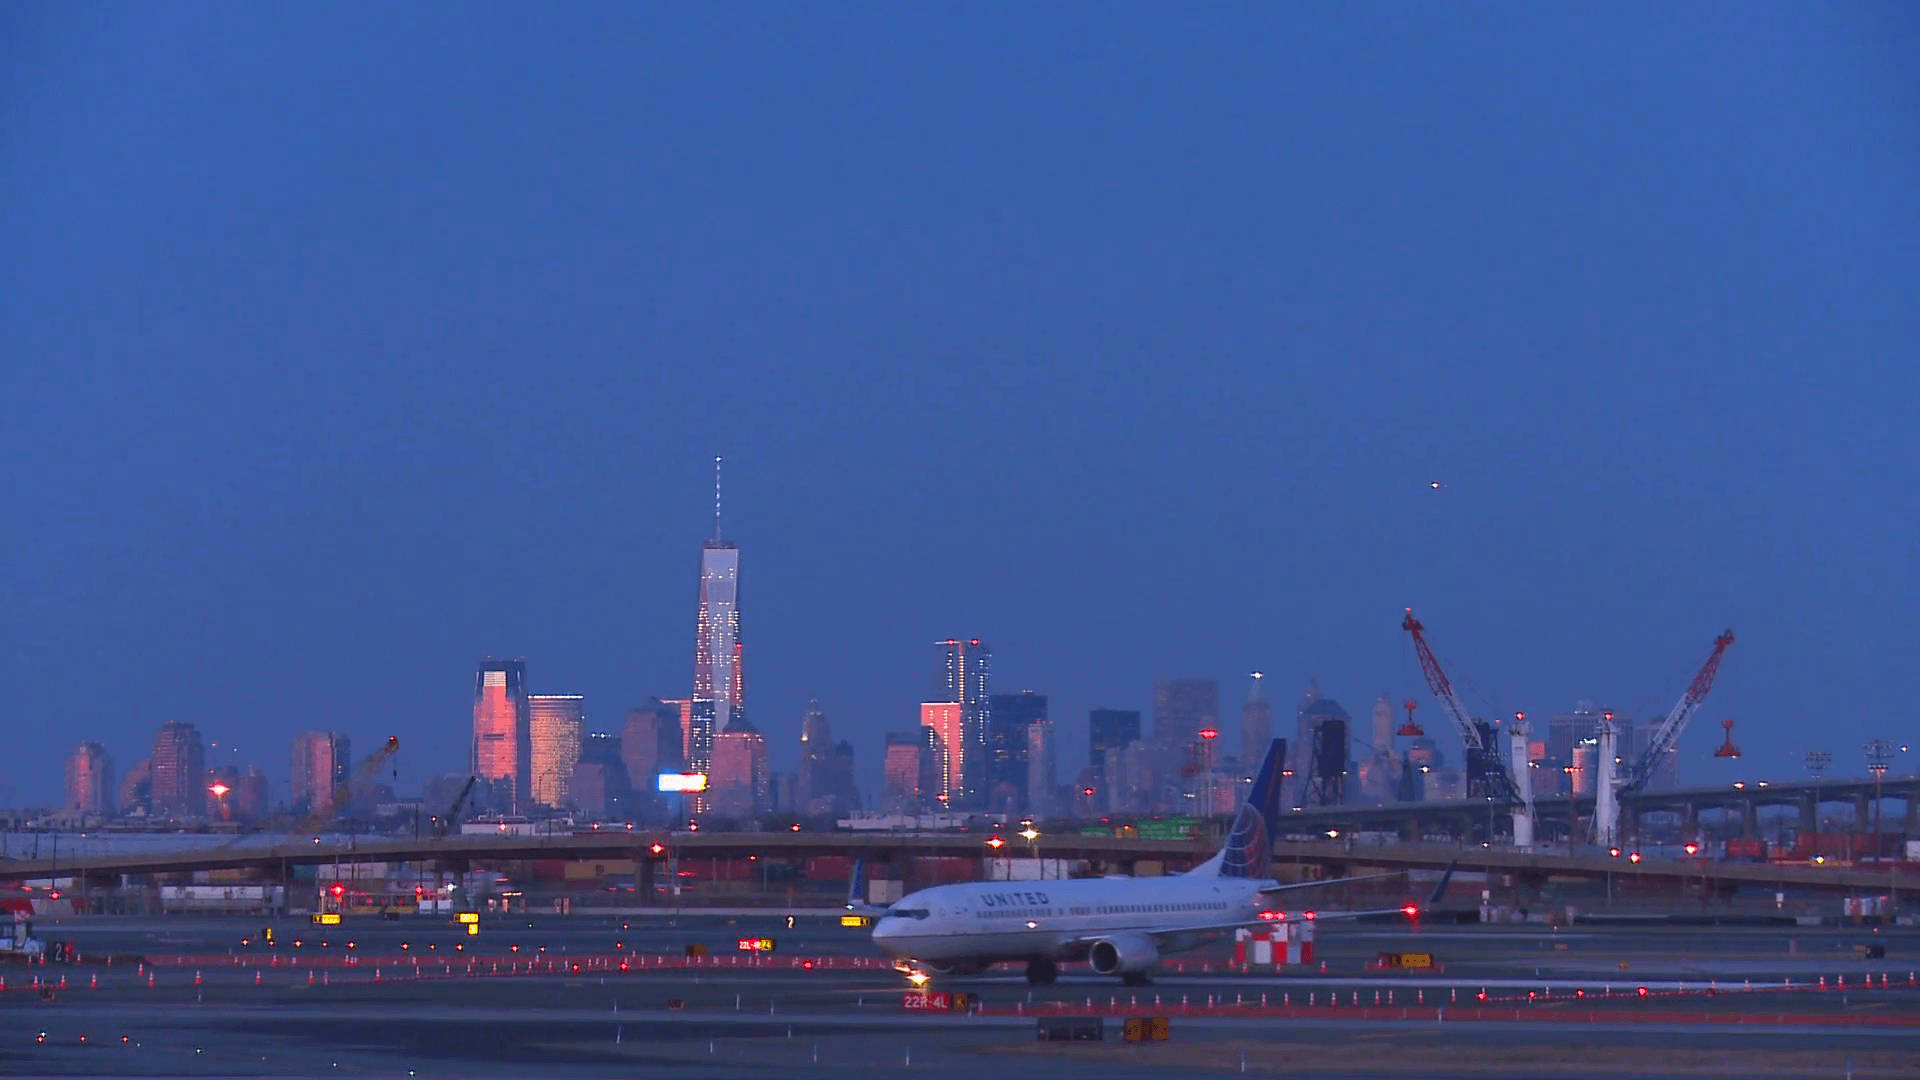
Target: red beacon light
1614, 851
1693, 849
995, 843
657, 848
1309, 916
1411, 911
1634, 857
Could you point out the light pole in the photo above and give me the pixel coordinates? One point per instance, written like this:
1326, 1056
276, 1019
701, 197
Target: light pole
1879, 755
1817, 762
1207, 735
1031, 834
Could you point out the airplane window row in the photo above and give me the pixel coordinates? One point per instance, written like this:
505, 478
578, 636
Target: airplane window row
1158, 909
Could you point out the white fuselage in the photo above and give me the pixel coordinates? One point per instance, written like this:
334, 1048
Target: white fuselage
990, 921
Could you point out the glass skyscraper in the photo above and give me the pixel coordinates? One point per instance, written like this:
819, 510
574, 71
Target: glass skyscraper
502, 750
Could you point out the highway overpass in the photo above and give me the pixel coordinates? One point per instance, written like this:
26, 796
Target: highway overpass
1329, 857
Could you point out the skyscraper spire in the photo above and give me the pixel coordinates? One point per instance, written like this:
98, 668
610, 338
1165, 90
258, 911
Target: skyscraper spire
716, 497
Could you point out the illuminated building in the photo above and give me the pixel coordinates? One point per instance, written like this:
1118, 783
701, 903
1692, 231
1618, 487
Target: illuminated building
502, 747
719, 691
90, 780
179, 771
946, 720
320, 765
966, 679
739, 786
554, 723
1108, 729
910, 772
824, 783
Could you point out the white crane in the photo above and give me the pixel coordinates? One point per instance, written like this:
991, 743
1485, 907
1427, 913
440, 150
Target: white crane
1606, 808
1505, 783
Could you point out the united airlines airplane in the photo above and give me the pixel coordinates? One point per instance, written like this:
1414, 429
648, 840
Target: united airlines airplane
1118, 925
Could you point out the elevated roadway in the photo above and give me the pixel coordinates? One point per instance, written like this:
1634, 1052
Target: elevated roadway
460, 852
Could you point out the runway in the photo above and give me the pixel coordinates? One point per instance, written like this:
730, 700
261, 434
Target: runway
186, 997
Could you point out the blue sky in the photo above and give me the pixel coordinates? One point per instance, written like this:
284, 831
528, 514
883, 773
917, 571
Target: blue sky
346, 345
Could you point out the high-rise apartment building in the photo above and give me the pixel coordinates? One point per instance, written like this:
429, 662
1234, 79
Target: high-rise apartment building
966, 678
1256, 723
910, 771
321, 761
555, 724
740, 785
502, 744
946, 723
90, 780
179, 772
1108, 729
1008, 718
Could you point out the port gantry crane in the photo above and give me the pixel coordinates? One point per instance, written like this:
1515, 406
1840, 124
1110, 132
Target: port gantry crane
1504, 783
1611, 784
344, 792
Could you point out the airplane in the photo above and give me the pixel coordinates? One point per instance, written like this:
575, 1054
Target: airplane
1118, 925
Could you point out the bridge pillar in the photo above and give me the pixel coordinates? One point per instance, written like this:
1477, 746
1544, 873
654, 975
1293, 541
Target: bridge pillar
1750, 819
1689, 819
1809, 815
1913, 811
645, 885
1862, 812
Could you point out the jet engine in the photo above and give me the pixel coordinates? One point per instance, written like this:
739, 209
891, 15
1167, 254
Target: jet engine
1123, 954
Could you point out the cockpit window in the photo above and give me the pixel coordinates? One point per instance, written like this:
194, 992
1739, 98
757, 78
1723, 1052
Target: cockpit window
908, 913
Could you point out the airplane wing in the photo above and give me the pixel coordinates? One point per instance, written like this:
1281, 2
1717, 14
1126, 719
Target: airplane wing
1267, 890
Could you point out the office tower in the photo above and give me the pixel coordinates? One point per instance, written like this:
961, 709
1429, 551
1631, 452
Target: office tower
179, 772
1383, 725
945, 721
502, 747
136, 788
1256, 723
554, 726
910, 773
652, 742
1008, 718
321, 761
846, 793
1181, 708
1040, 768
249, 795
718, 690
812, 779
740, 785
90, 780
1108, 729
966, 677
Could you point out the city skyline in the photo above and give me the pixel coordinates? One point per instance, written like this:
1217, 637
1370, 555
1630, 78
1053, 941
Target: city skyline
1144, 344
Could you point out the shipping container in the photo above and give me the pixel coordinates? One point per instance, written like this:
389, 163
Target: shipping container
1746, 849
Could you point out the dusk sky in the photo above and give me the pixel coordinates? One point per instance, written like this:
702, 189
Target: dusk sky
344, 345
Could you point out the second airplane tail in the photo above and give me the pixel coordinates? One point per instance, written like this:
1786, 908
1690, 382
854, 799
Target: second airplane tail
1248, 852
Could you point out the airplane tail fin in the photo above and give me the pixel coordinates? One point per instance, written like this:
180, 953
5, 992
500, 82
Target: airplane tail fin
1249, 848
857, 885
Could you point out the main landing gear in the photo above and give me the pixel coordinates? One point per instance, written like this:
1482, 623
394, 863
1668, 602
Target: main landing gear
1042, 971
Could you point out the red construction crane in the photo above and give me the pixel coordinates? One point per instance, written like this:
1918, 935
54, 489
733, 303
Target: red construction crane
1486, 774
1667, 735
